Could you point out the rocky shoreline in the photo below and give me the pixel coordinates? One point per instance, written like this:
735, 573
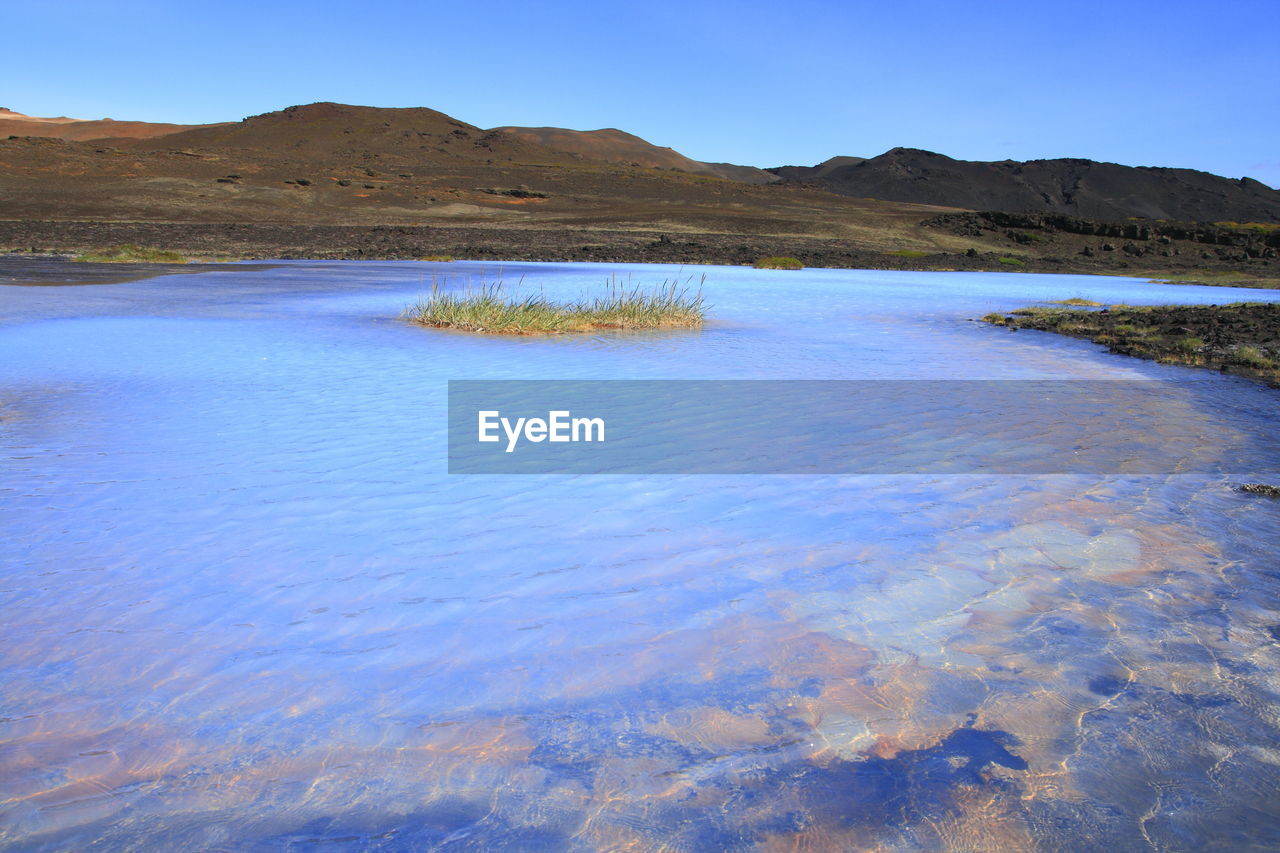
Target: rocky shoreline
402, 242
1242, 338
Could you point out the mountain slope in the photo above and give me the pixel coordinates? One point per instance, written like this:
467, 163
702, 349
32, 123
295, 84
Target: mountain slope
615, 146
327, 130
334, 164
1077, 187
61, 127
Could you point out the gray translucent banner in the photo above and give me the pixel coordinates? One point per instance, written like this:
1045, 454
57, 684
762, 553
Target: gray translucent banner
860, 427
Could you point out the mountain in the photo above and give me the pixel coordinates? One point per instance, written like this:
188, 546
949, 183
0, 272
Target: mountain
1084, 188
338, 164
611, 145
328, 130
332, 136
335, 180
293, 127
61, 127
815, 173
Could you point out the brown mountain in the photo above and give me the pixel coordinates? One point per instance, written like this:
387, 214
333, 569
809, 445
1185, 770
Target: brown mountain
611, 145
325, 131
337, 180
331, 163
61, 127
607, 146
317, 134
1084, 188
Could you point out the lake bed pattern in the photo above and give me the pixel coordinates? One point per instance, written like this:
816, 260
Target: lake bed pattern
245, 606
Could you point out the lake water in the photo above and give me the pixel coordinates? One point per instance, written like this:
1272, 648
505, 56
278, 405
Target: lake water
245, 608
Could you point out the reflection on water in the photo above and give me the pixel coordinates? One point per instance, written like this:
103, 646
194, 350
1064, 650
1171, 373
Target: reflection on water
245, 608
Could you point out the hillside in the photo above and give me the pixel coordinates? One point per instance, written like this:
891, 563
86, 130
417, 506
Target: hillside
1075, 187
330, 136
339, 164
326, 131
288, 126
334, 180
61, 127
615, 146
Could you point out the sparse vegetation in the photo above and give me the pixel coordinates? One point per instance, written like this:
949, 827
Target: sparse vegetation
1137, 331
1264, 227
1012, 262
1251, 356
1078, 300
130, 254
1240, 338
488, 308
439, 259
778, 262
1224, 278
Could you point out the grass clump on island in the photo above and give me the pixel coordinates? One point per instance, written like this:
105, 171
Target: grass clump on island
778, 262
489, 309
1242, 337
1078, 301
130, 254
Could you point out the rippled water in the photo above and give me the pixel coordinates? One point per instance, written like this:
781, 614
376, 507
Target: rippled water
245, 608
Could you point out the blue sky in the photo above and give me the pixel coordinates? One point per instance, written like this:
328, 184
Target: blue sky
764, 84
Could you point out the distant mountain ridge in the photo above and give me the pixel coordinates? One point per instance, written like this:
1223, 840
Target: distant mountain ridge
61, 127
291, 127
815, 173
617, 146
1084, 188
314, 133
422, 141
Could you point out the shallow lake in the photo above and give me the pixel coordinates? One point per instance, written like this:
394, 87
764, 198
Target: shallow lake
244, 606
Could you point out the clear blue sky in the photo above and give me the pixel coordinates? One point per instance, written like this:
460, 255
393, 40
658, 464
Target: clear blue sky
760, 83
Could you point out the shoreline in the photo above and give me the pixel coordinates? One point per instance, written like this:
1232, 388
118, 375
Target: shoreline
1241, 338
567, 244
61, 269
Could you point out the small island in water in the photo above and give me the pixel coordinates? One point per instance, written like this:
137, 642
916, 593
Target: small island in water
488, 308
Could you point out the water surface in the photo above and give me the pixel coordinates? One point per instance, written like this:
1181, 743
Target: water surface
245, 608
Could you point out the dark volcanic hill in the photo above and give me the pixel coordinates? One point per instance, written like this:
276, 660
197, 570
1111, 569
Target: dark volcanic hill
1082, 188
816, 173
